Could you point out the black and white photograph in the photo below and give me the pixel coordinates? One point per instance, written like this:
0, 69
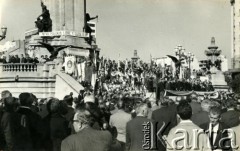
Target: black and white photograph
120, 75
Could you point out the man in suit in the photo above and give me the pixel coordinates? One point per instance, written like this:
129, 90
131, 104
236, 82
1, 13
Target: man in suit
231, 117
17, 59
69, 101
134, 129
34, 120
217, 131
86, 138
166, 114
236, 142
119, 120
22, 59
16, 134
202, 116
195, 105
183, 136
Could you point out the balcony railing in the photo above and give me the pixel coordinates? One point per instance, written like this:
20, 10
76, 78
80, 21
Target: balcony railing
19, 67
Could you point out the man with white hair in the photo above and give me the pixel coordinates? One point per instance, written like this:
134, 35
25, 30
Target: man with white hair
154, 106
134, 129
202, 116
86, 138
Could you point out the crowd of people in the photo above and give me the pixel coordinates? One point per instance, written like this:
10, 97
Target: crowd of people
139, 76
23, 59
96, 121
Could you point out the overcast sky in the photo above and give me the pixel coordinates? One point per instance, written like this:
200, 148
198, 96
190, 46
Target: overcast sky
153, 27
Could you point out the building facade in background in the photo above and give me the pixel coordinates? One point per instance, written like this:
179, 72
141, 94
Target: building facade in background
235, 35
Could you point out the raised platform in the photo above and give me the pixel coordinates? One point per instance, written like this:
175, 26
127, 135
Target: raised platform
218, 80
43, 80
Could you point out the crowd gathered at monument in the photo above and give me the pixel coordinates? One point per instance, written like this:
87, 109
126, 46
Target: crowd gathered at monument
122, 105
110, 121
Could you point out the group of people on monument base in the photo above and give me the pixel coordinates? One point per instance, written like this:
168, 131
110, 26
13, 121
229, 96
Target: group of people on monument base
23, 59
185, 85
92, 123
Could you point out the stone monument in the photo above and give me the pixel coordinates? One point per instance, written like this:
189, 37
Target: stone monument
216, 74
68, 19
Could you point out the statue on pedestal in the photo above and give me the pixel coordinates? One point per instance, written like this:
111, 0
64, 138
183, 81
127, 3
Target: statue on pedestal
53, 50
214, 65
87, 27
44, 22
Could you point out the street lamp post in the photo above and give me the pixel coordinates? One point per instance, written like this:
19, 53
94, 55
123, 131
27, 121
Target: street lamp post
4, 32
179, 50
189, 59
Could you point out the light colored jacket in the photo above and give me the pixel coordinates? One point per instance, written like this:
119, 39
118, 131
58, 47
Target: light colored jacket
119, 120
185, 136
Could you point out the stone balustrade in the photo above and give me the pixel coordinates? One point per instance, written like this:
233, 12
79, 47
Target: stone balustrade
19, 67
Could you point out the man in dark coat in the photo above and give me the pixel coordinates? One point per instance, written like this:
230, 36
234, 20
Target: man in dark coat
59, 129
14, 127
33, 119
86, 138
68, 99
202, 116
195, 105
17, 59
166, 114
22, 59
231, 117
134, 129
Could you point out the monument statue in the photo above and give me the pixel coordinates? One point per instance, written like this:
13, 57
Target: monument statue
53, 50
214, 65
87, 27
44, 22
213, 53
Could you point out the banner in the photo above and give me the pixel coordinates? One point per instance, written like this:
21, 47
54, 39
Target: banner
186, 93
63, 33
70, 64
81, 71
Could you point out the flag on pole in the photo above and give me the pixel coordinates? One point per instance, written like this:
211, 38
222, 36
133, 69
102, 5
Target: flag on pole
118, 64
151, 62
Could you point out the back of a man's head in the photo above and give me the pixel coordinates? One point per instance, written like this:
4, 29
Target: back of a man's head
142, 109
230, 103
25, 99
184, 110
120, 104
57, 106
68, 99
215, 110
89, 98
83, 116
10, 104
6, 94
164, 101
206, 104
